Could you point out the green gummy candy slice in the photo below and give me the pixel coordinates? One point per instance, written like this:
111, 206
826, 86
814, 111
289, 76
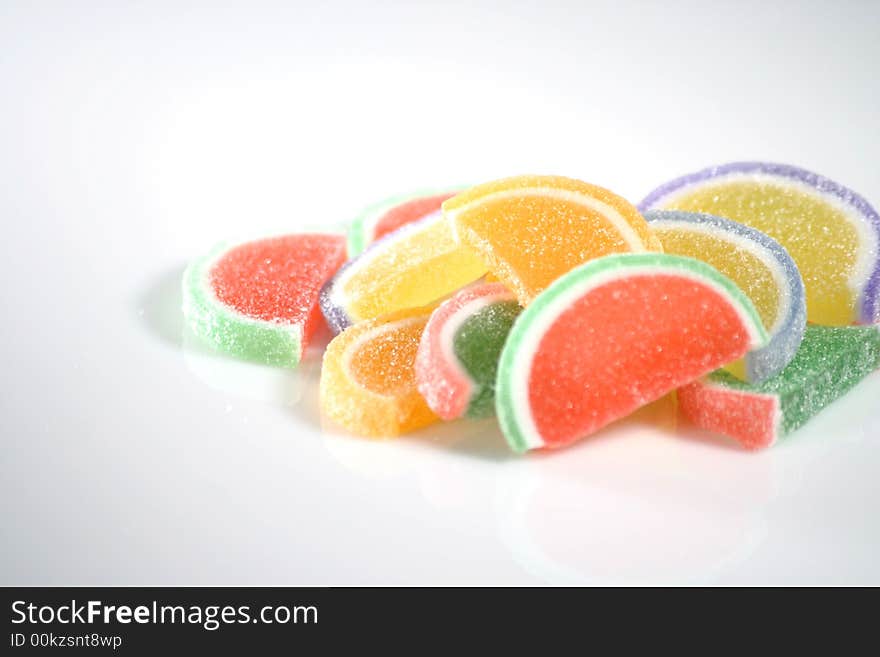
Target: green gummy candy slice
829, 362
477, 345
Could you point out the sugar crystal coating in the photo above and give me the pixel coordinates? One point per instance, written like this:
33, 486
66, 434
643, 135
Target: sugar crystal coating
259, 300
458, 356
368, 383
832, 233
830, 361
530, 230
761, 268
388, 215
613, 335
413, 266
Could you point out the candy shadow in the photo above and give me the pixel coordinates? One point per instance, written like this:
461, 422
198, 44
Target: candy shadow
691, 433
159, 307
304, 385
480, 439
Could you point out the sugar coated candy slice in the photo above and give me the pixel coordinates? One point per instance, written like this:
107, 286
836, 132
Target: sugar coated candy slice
532, 229
388, 215
458, 356
413, 266
830, 361
259, 300
758, 265
832, 233
368, 382
613, 335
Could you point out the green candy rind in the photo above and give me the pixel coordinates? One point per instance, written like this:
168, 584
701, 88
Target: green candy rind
831, 361
477, 345
581, 277
229, 331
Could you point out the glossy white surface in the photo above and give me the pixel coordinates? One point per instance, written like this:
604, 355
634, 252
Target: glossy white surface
135, 137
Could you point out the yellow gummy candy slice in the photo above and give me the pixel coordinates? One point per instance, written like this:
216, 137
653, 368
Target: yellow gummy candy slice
819, 237
416, 268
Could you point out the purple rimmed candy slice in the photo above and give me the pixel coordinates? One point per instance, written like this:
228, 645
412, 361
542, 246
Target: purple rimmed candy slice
832, 233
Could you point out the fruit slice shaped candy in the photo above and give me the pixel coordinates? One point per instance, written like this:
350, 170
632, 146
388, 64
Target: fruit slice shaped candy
415, 265
613, 335
530, 230
368, 383
259, 300
390, 214
758, 265
830, 361
458, 356
832, 233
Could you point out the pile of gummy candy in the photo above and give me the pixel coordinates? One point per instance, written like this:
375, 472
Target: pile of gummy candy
749, 290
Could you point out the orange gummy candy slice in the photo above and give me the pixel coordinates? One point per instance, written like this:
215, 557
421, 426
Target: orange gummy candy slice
530, 230
368, 383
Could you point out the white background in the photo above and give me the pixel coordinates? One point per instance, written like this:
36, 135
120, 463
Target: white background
135, 135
